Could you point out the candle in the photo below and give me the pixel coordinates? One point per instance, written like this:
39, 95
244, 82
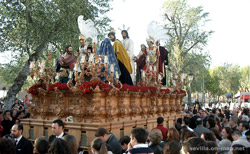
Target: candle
111, 68
105, 59
50, 47
94, 39
116, 75
70, 75
147, 59
150, 68
155, 68
91, 58
54, 62
57, 76
143, 74
32, 64
75, 68
83, 59
159, 77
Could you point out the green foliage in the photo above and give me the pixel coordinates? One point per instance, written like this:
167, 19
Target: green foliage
25, 25
187, 39
245, 77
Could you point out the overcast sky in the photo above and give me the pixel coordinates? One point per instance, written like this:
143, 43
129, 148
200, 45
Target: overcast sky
229, 19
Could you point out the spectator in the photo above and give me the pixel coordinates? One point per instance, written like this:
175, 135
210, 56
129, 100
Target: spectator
6, 146
210, 123
243, 128
58, 146
233, 122
239, 149
188, 135
159, 126
226, 142
173, 134
41, 146
212, 147
26, 100
109, 139
155, 137
1, 127
238, 139
248, 135
217, 121
195, 146
225, 121
98, 146
137, 144
172, 147
124, 141
7, 122
57, 130
216, 134
71, 141
23, 146
200, 128
187, 121
208, 136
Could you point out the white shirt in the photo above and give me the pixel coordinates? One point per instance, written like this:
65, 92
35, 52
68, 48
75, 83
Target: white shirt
60, 136
18, 139
140, 146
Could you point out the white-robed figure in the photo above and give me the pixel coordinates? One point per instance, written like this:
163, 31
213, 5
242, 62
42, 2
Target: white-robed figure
129, 46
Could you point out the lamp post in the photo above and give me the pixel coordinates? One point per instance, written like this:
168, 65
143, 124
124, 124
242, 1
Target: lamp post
190, 78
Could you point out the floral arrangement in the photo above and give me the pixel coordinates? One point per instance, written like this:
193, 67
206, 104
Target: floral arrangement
89, 86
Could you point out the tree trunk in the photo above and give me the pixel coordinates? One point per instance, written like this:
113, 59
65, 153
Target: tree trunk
22, 76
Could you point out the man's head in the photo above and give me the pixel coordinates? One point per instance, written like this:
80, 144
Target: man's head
111, 36
233, 121
187, 121
138, 136
125, 34
143, 47
150, 42
57, 127
198, 121
124, 141
160, 120
17, 130
102, 133
236, 135
248, 135
243, 125
195, 145
69, 50
6, 115
41, 145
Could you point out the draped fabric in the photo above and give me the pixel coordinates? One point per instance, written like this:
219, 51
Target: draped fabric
163, 56
66, 62
140, 62
122, 55
106, 49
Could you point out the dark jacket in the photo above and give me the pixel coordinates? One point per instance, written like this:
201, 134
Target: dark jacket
24, 146
114, 144
156, 148
52, 137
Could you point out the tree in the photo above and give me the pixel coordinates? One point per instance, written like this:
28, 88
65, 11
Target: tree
245, 77
27, 26
187, 38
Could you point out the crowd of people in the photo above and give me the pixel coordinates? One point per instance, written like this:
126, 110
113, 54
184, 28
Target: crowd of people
208, 131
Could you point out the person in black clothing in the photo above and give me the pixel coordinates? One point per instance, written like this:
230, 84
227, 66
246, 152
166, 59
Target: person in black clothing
7, 123
57, 130
155, 137
23, 145
110, 140
124, 141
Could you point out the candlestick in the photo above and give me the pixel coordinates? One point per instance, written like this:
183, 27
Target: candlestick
159, 77
94, 39
155, 68
150, 68
31, 64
